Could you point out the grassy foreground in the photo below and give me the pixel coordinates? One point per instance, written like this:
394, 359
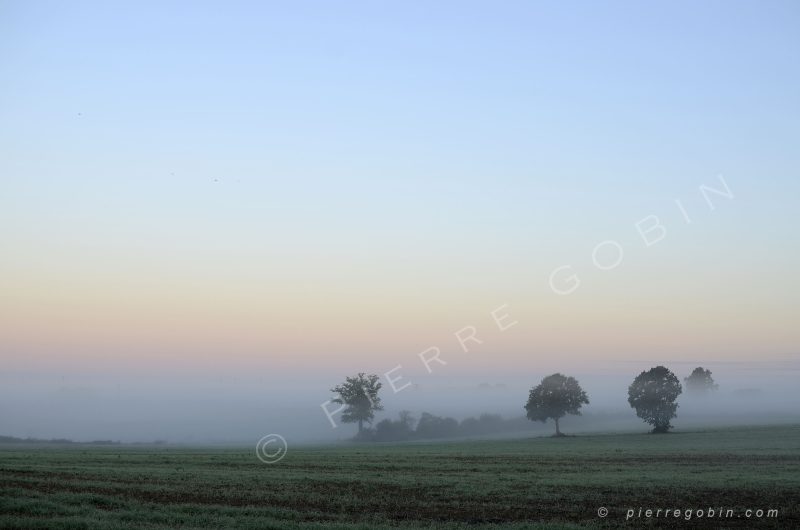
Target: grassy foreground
482, 484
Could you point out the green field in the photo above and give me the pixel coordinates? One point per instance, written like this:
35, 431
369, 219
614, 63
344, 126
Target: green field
477, 484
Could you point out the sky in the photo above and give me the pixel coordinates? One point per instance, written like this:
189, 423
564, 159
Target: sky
287, 193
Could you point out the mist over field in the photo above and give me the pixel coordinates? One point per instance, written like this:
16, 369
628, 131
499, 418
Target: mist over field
241, 408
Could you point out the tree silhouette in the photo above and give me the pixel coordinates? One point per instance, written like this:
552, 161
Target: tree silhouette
431, 426
556, 396
402, 429
700, 382
360, 395
653, 394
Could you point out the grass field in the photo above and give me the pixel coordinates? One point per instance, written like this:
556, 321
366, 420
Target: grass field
477, 484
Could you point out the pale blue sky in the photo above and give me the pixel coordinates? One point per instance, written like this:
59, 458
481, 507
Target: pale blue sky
337, 151
376, 104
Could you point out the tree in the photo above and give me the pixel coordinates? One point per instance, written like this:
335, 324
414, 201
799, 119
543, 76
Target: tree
359, 394
407, 420
556, 396
700, 382
653, 394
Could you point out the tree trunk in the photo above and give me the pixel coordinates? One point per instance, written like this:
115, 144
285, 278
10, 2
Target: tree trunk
360, 426
558, 431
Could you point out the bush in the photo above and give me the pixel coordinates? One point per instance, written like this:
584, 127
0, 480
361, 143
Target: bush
431, 426
400, 430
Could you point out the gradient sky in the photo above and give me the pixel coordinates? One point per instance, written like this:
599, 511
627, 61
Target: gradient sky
325, 188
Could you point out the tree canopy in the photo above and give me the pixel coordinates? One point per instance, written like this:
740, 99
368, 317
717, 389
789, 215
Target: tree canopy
556, 396
653, 394
430, 426
700, 382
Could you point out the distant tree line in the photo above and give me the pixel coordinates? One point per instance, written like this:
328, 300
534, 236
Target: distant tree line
652, 394
60, 441
430, 426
